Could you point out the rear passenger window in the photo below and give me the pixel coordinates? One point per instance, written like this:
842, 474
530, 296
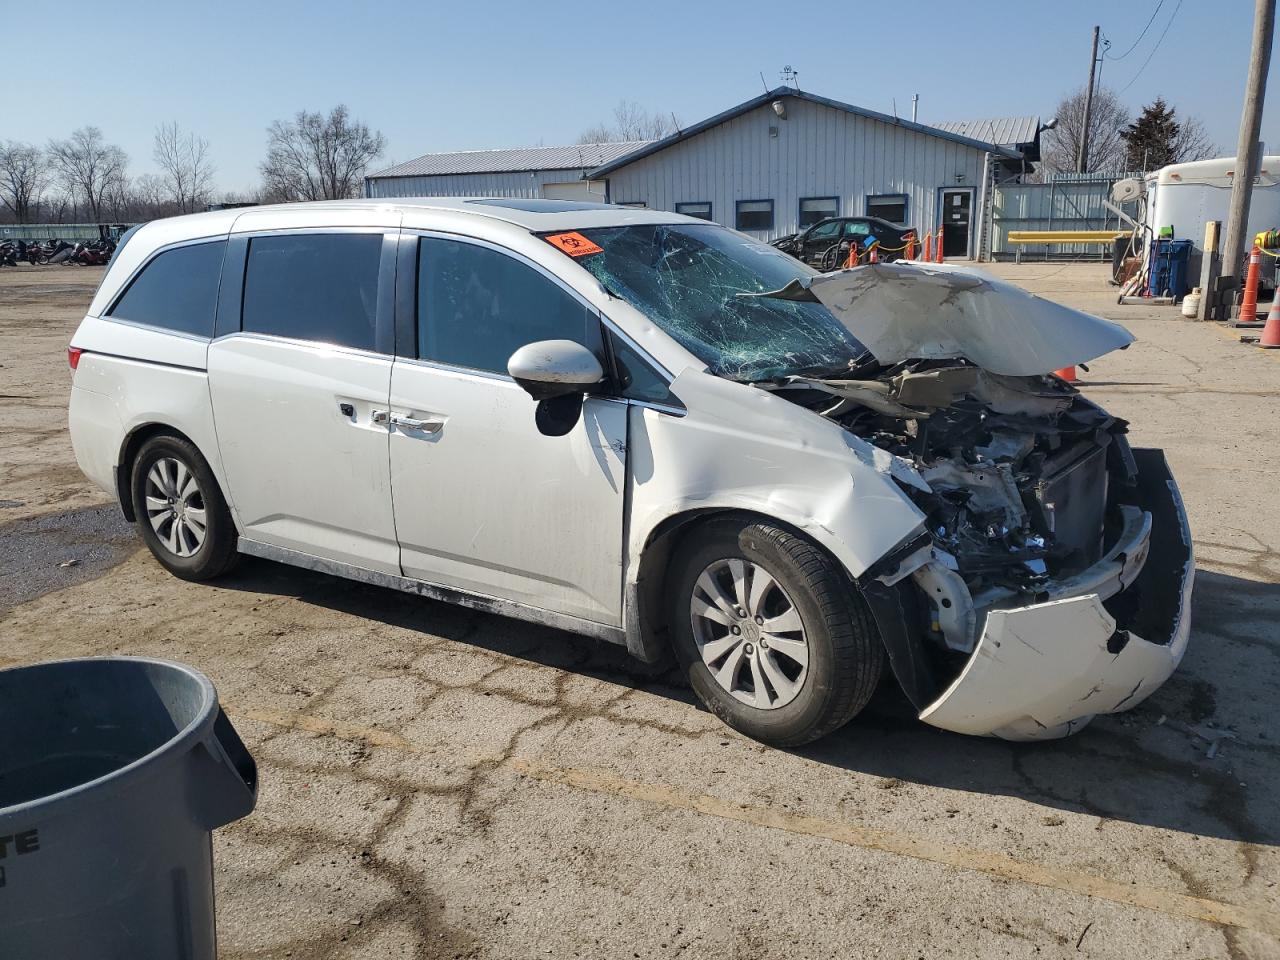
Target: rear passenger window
319, 286
477, 306
178, 290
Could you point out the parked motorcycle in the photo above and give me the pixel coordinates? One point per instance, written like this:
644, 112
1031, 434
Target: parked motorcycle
94, 254
61, 253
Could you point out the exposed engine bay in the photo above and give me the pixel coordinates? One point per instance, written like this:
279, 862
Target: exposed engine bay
1050, 577
1025, 480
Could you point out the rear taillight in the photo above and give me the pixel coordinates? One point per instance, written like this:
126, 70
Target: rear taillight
73, 356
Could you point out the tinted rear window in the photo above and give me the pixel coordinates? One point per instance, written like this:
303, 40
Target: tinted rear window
319, 286
178, 290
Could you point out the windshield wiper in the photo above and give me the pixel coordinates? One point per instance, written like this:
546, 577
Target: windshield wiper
848, 370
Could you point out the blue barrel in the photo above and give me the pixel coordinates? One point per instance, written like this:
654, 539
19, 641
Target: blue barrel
1170, 265
113, 773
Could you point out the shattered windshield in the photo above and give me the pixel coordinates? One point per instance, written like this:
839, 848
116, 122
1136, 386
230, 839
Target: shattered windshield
688, 278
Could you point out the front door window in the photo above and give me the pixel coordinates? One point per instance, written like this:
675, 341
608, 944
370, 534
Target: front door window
477, 306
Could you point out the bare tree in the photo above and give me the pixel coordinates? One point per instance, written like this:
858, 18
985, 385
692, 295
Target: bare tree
57, 208
153, 196
184, 159
314, 157
88, 166
23, 178
630, 122
1192, 142
1106, 147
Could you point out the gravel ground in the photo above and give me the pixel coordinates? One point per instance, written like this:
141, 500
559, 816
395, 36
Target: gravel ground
442, 783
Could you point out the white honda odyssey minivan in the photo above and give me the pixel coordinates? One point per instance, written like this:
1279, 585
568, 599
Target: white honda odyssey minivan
655, 431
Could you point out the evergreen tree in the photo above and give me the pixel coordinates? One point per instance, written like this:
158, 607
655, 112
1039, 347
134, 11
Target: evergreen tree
1153, 140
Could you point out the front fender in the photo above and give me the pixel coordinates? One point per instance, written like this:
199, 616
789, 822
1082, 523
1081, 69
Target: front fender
741, 448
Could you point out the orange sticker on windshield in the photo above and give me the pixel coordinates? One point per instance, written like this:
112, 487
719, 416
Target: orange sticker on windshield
574, 244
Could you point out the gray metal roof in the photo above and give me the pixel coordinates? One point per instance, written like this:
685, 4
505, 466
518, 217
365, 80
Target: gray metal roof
645, 150
578, 156
1006, 131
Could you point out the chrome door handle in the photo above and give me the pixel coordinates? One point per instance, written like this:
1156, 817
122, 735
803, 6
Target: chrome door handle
432, 425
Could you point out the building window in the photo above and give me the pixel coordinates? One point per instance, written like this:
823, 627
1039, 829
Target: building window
813, 209
636, 204
888, 206
700, 210
754, 215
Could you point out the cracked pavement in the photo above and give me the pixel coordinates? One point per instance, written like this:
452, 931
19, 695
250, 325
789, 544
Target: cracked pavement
438, 782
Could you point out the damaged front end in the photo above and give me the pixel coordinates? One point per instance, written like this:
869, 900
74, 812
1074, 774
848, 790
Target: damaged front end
1054, 580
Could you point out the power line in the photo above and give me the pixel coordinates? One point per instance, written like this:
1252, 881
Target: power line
1154, 49
1142, 34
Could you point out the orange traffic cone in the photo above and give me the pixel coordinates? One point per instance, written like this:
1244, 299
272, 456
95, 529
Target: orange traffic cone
1249, 299
1069, 373
1271, 332
928, 247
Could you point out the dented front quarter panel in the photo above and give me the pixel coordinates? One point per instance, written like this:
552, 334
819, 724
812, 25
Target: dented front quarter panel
1044, 671
742, 448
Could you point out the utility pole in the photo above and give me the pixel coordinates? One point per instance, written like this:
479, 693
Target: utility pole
1247, 159
1082, 156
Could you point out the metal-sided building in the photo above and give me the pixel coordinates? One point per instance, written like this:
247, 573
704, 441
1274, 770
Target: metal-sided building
769, 166
788, 158
558, 173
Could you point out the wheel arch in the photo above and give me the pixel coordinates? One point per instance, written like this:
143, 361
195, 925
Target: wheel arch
129, 448
645, 610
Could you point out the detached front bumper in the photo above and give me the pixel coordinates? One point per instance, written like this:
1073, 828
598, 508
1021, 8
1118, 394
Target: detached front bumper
1044, 671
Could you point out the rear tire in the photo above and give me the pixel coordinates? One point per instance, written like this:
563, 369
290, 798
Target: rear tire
798, 628
180, 511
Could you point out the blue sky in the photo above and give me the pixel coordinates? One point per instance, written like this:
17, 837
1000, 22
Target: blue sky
456, 76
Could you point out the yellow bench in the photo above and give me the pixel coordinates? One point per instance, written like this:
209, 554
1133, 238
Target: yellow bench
1063, 236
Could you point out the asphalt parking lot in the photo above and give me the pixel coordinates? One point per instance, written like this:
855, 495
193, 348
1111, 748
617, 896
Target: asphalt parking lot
442, 783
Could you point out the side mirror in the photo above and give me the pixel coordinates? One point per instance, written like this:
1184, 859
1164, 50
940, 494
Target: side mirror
557, 374
554, 368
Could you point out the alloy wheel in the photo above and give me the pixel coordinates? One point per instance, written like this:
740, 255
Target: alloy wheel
749, 633
175, 507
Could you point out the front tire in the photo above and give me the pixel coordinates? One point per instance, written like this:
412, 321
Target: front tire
774, 638
180, 511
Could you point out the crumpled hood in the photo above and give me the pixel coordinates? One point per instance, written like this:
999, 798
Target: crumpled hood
904, 311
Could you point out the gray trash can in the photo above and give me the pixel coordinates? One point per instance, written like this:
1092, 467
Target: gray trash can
113, 772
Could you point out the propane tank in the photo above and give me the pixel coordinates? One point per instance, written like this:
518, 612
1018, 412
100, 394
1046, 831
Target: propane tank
1191, 304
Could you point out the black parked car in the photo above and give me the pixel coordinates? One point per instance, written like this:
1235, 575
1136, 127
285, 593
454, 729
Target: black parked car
825, 244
